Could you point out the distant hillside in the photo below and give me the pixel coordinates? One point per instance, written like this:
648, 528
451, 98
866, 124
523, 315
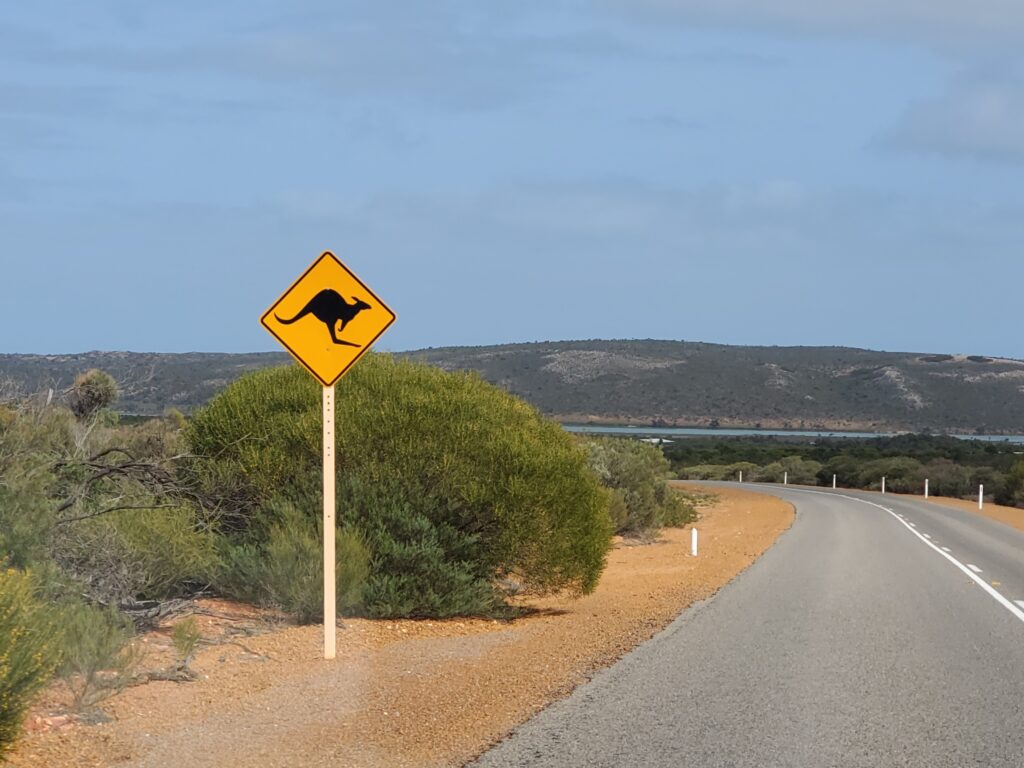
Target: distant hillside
694, 384
150, 382
641, 382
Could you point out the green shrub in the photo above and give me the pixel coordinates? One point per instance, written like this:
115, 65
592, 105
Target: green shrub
167, 549
186, 637
285, 569
26, 516
947, 478
28, 650
798, 471
719, 471
420, 568
637, 474
97, 657
1012, 489
491, 466
137, 553
902, 474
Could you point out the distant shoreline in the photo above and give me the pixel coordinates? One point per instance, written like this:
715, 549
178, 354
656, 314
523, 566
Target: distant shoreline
684, 432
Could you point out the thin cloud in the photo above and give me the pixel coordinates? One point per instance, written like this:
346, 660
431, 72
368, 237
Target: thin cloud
980, 119
939, 20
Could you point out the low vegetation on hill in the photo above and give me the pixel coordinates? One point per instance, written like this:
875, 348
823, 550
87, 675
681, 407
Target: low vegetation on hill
640, 382
953, 467
452, 496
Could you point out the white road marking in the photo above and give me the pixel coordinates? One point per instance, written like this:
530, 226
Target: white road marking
1020, 603
912, 525
974, 568
946, 549
926, 535
1018, 612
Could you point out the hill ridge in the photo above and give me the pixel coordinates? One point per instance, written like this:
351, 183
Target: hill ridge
639, 381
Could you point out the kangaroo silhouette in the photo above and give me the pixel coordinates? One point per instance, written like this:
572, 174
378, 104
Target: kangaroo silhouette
329, 307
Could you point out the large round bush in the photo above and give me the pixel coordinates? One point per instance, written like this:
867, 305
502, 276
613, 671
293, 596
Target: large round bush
506, 493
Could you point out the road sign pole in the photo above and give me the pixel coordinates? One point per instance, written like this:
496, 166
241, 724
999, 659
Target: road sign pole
330, 620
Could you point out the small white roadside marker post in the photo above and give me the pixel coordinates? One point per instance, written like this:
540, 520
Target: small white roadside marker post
741, 475
693, 542
926, 487
785, 478
833, 482
981, 497
883, 483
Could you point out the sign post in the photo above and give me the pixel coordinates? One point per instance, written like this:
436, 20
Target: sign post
330, 599
327, 320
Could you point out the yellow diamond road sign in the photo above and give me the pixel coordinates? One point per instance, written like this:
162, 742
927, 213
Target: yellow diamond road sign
327, 319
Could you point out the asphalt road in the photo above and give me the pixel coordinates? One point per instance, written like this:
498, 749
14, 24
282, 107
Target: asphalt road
852, 642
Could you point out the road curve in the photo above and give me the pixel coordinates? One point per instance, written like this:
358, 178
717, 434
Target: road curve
852, 642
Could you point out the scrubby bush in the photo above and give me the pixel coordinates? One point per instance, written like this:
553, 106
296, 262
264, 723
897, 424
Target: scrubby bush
420, 567
92, 391
796, 470
470, 458
137, 554
719, 471
284, 567
97, 658
185, 637
1012, 489
637, 474
947, 478
29, 651
902, 474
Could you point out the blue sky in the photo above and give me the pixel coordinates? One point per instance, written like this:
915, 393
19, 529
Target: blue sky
733, 171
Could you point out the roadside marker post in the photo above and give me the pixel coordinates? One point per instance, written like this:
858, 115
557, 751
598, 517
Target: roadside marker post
883, 483
833, 482
785, 478
327, 320
693, 542
981, 497
741, 475
926, 487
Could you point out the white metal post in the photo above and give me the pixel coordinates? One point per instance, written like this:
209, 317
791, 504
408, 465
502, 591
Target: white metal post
833, 482
981, 497
926, 487
883, 483
741, 475
693, 542
785, 478
330, 620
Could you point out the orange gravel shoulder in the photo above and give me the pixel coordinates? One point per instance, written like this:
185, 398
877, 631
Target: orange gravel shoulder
404, 693
1011, 516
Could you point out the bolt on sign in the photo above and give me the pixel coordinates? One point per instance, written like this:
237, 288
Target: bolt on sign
327, 319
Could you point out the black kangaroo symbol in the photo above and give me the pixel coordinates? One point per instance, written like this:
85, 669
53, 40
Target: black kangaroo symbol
329, 307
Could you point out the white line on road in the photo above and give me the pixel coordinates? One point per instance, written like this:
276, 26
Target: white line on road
946, 549
1020, 603
1015, 610
912, 525
926, 535
974, 568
